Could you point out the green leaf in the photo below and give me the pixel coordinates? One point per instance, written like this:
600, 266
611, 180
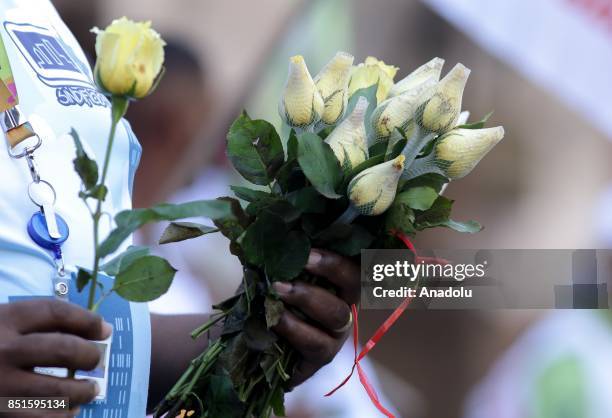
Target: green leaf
145, 279
261, 237
83, 278
278, 402
470, 227
232, 226
292, 146
437, 215
97, 192
433, 180
86, 168
274, 310
400, 217
267, 243
255, 149
280, 207
129, 221
228, 303
268, 363
181, 231
378, 148
358, 239
234, 357
319, 164
420, 198
257, 335
476, 125
222, 399
370, 94
289, 175
122, 260
234, 321
287, 261
307, 200
248, 194
396, 144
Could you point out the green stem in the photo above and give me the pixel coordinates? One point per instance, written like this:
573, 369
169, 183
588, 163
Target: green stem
425, 165
205, 327
276, 384
118, 109
419, 139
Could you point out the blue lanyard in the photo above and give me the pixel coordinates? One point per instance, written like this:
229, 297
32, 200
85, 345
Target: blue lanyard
46, 227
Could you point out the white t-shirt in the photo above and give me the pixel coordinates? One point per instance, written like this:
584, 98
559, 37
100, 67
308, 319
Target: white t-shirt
56, 93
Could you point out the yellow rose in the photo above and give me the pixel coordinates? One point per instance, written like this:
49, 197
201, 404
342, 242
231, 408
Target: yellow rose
130, 58
301, 104
348, 139
441, 112
429, 70
370, 72
373, 190
462, 148
398, 111
332, 82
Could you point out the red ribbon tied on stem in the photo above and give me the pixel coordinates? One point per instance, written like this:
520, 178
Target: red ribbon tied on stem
380, 332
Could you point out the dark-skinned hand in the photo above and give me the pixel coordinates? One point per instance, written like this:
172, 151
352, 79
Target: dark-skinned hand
48, 333
319, 339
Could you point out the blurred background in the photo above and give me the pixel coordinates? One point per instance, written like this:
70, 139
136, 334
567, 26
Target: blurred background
543, 67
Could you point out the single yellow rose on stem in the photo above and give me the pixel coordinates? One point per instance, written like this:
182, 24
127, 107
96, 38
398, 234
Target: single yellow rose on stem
373, 190
370, 72
348, 139
130, 57
398, 111
129, 64
301, 104
461, 149
440, 113
430, 69
332, 82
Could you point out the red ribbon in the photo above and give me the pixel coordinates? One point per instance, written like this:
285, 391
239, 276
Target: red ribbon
380, 332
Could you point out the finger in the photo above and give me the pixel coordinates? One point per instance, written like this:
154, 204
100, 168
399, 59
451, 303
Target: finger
78, 392
316, 303
54, 350
337, 269
312, 343
54, 315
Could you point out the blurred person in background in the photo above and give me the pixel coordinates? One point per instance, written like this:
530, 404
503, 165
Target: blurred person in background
207, 272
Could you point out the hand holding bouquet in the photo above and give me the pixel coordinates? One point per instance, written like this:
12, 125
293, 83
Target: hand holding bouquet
363, 166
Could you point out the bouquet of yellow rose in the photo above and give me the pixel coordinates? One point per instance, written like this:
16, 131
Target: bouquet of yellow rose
363, 164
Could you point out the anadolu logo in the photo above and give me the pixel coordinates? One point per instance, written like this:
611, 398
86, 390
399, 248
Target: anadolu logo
56, 64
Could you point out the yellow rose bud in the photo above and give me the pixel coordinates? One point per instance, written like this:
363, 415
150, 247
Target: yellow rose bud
430, 69
301, 104
130, 56
332, 82
464, 148
398, 111
348, 139
370, 72
441, 111
373, 190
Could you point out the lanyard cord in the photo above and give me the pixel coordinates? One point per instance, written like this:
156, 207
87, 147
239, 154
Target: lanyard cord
22, 143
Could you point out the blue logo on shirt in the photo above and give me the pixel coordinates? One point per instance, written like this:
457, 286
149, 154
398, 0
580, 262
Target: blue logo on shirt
56, 65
